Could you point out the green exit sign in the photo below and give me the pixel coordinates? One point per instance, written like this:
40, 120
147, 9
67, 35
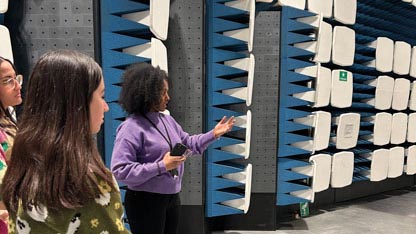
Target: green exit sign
304, 209
343, 76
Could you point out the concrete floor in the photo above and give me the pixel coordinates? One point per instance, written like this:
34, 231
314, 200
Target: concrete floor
388, 213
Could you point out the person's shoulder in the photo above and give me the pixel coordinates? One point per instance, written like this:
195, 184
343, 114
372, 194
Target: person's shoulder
130, 124
172, 121
168, 117
131, 121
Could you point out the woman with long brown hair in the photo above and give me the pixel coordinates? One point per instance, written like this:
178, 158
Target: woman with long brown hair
56, 181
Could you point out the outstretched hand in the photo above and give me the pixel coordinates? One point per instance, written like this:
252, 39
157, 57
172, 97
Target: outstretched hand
224, 126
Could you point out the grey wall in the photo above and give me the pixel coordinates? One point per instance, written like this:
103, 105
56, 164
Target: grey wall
263, 152
41, 25
185, 59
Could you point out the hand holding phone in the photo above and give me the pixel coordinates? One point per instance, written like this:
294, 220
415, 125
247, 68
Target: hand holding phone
178, 150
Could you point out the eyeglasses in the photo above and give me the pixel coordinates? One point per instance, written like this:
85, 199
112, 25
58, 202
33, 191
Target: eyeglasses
10, 82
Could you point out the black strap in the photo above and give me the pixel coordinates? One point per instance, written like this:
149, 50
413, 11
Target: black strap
173, 172
167, 139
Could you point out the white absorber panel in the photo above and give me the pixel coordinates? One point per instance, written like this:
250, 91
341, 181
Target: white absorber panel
341, 88
4, 6
156, 18
321, 164
379, 165
348, 127
320, 95
411, 128
401, 58
244, 177
384, 92
382, 128
300, 4
342, 169
401, 93
5, 44
244, 34
320, 121
410, 167
322, 44
384, 54
398, 128
246, 92
323, 7
320, 171
242, 149
396, 162
345, 11
154, 50
343, 46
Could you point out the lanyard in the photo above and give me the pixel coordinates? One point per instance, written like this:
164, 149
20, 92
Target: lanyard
167, 139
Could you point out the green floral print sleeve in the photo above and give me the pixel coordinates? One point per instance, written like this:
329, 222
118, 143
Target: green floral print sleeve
3, 164
104, 215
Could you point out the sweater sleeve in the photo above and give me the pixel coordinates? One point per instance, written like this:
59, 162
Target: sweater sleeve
197, 143
124, 164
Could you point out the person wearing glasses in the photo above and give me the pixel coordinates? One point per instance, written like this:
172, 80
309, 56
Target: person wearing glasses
142, 151
56, 181
10, 96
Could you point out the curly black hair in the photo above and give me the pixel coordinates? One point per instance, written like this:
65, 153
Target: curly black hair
141, 88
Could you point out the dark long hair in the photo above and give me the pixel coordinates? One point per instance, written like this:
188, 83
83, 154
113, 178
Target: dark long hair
141, 88
54, 160
7, 122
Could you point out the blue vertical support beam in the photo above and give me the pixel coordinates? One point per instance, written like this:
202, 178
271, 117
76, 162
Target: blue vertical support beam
221, 48
114, 39
292, 31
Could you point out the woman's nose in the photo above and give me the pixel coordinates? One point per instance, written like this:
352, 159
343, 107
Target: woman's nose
106, 107
17, 85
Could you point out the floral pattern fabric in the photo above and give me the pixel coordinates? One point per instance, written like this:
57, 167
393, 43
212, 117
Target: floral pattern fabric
103, 215
3, 148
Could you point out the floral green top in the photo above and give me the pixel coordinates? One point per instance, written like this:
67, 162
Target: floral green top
103, 215
3, 148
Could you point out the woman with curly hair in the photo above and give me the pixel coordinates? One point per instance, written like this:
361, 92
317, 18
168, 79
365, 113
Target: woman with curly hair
56, 181
141, 156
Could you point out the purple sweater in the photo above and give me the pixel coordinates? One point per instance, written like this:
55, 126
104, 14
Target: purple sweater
139, 149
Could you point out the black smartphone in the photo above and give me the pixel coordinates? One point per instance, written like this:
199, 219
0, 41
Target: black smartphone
178, 150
